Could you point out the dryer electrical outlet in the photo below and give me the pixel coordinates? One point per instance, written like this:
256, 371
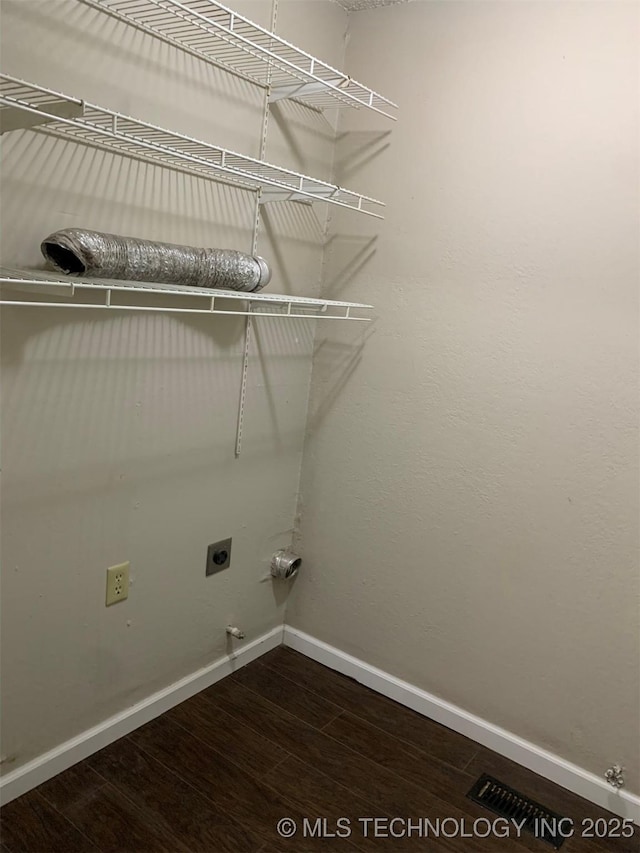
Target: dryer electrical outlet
218, 557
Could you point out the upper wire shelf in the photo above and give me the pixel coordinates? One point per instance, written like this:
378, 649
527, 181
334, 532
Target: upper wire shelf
69, 291
221, 36
26, 104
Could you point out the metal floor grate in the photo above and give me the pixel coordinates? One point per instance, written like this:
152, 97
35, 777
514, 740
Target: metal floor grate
511, 804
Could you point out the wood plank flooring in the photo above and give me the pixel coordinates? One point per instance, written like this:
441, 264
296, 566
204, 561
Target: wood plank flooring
286, 738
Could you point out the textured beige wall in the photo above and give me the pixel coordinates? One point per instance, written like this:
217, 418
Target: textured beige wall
470, 480
119, 428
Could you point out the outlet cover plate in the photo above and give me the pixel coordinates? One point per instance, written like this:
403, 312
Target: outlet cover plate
117, 583
218, 556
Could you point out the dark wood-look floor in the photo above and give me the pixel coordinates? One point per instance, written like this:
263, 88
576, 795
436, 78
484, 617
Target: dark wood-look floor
283, 737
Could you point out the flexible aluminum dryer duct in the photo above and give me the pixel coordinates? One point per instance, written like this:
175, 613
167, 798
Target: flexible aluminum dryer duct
77, 251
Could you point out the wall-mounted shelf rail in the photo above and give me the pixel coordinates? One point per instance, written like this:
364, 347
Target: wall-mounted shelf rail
219, 35
58, 291
102, 128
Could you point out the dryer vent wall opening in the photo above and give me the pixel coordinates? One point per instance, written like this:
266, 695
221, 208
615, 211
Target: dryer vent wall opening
285, 565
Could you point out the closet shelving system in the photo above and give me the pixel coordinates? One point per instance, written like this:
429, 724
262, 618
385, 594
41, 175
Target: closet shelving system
219, 36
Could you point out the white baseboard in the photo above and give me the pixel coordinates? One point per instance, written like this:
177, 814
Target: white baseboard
51, 763
540, 761
546, 764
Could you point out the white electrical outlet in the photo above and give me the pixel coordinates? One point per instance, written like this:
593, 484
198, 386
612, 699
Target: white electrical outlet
117, 583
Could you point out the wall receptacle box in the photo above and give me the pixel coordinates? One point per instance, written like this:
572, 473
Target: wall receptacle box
218, 557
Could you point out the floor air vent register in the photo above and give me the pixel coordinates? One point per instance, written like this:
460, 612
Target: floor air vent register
511, 804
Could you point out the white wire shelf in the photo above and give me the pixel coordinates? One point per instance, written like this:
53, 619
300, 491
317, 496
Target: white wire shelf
70, 292
24, 104
221, 36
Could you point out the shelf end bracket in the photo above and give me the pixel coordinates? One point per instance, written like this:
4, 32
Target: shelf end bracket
15, 118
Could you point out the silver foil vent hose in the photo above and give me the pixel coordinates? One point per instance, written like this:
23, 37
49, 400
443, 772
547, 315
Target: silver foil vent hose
76, 251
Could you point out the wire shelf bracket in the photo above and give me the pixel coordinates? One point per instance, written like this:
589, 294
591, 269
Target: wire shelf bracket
15, 118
